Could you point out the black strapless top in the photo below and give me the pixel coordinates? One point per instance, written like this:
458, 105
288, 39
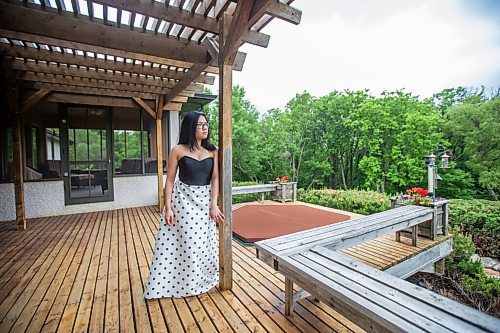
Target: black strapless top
195, 172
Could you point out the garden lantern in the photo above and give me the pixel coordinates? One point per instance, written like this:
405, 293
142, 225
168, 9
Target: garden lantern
430, 162
444, 160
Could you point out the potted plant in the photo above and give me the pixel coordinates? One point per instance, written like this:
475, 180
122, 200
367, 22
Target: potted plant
438, 225
285, 190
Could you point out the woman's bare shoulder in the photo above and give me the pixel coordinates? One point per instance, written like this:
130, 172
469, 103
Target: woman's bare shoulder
178, 150
215, 152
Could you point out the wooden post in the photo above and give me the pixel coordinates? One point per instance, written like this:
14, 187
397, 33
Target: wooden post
159, 150
18, 163
288, 296
41, 145
225, 176
225, 162
18, 173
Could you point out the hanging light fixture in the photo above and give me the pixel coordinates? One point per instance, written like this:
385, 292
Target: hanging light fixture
444, 160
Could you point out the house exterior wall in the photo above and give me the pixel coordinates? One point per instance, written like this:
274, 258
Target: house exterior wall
46, 198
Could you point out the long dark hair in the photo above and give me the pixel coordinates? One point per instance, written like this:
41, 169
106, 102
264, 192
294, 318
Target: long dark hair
188, 132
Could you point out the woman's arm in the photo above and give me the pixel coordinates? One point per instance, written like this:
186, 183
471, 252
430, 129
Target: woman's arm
215, 213
169, 184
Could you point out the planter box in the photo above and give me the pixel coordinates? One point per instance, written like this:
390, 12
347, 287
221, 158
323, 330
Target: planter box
438, 225
284, 192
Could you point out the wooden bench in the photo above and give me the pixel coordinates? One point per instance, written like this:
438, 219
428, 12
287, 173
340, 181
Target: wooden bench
344, 234
260, 189
374, 300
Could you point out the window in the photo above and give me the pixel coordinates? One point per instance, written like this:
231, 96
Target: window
131, 142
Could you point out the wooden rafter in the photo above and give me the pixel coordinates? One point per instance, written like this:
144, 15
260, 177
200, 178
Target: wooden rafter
73, 98
246, 14
94, 83
182, 17
284, 12
98, 83
64, 26
124, 69
280, 10
212, 46
86, 90
33, 100
185, 82
145, 106
96, 49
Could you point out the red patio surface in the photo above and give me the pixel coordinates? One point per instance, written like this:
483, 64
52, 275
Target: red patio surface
252, 223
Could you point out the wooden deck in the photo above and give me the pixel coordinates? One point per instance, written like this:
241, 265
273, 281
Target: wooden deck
86, 272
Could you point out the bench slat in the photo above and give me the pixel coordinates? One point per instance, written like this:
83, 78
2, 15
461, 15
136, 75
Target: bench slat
349, 235
460, 317
354, 305
253, 189
388, 214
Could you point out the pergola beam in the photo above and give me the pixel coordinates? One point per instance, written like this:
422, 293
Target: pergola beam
212, 46
247, 13
63, 59
62, 70
145, 106
106, 86
182, 17
63, 43
72, 98
97, 92
33, 100
193, 72
284, 12
66, 27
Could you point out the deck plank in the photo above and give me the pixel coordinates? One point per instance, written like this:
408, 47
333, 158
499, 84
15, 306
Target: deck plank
112, 316
49, 276
70, 310
22, 284
86, 272
86, 303
125, 297
13, 265
42, 303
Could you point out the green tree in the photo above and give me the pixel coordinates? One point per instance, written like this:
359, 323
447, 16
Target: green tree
398, 130
474, 128
246, 138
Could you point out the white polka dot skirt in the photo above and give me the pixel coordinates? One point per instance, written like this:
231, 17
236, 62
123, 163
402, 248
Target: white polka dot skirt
185, 259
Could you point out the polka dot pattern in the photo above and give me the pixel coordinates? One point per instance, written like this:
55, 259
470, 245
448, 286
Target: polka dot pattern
185, 259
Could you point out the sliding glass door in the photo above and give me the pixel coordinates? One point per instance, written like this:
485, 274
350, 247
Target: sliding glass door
87, 163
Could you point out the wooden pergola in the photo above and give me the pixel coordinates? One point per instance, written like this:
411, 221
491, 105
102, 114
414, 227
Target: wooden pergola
154, 54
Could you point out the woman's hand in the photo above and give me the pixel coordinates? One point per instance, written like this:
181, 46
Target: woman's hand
169, 217
216, 214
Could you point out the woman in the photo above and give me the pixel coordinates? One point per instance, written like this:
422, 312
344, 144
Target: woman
185, 259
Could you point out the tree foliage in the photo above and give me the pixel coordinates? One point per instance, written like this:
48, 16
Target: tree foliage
352, 139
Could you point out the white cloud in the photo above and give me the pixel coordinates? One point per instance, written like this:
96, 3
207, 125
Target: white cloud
421, 46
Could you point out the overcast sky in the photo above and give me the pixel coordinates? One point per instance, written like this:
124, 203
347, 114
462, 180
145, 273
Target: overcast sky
422, 46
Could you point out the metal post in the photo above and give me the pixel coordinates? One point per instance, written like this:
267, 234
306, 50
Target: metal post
430, 178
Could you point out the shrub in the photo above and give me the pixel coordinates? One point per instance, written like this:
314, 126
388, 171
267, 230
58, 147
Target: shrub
480, 219
471, 273
361, 202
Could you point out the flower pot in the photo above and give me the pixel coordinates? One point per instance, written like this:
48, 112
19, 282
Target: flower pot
284, 191
426, 229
